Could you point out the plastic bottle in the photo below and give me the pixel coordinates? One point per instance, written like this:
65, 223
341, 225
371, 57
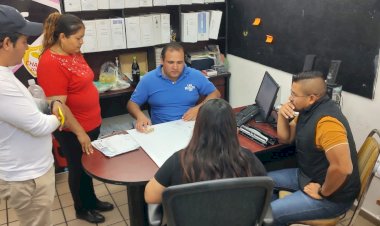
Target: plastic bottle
38, 95
135, 72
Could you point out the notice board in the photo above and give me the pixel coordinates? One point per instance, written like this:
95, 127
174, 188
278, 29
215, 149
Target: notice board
331, 29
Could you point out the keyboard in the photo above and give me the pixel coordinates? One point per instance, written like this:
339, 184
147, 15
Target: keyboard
258, 136
243, 116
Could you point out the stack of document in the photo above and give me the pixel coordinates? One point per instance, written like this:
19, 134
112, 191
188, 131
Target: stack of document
116, 144
165, 140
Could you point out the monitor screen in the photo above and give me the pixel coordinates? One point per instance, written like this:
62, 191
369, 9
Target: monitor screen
266, 96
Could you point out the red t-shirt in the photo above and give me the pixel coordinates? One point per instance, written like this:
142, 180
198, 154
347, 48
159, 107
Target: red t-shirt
71, 76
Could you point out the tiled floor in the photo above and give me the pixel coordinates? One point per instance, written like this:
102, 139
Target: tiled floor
63, 211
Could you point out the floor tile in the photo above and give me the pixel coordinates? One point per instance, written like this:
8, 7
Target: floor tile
101, 190
124, 211
122, 223
57, 217
78, 222
120, 198
113, 188
66, 200
61, 177
62, 188
69, 212
3, 217
112, 217
96, 182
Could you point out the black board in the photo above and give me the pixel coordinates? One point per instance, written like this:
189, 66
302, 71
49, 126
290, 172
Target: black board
331, 29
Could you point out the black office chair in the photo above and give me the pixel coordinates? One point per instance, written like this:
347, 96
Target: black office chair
236, 201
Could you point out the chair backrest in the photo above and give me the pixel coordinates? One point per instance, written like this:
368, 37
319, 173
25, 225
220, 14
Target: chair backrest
236, 201
367, 157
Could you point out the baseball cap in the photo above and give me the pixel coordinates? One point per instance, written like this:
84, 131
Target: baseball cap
11, 21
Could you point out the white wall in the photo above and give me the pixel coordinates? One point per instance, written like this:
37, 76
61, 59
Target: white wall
362, 113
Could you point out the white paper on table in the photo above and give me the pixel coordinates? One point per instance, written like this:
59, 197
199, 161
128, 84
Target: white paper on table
165, 140
115, 144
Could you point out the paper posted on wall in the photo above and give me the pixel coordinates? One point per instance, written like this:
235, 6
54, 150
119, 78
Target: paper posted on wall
115, 145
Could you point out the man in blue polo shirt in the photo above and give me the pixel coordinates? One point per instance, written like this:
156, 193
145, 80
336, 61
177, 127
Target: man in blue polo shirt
171, 90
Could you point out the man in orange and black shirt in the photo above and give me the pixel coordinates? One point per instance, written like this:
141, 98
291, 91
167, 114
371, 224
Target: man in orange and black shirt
326, 182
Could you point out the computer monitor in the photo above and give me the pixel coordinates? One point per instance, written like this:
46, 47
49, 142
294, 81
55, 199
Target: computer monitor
266, 96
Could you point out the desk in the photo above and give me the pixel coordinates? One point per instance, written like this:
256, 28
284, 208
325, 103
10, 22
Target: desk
135, 168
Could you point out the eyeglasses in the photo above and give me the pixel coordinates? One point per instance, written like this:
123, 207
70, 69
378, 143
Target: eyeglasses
294, 95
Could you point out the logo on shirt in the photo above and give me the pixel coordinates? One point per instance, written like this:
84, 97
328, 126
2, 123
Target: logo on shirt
189, 87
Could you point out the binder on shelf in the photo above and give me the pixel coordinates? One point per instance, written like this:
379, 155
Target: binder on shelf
118, 33
156, 29
146, 30
159, 2
103, 34
203, 25
189, 27
116, 4
131, 3
219, 1
72, 5
103, 4
215, 20
198, 1
173, 2
157, 55
132, 31
89, 5
186, 2
145, 3
89, 40
165, 28
209, 1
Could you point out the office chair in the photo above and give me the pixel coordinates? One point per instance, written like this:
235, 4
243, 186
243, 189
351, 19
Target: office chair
235, 201
367, 157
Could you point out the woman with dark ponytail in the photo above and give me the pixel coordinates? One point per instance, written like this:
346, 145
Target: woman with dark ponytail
213, 153
65, 76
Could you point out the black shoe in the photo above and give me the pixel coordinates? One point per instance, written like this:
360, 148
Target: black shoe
103, 206
91, 216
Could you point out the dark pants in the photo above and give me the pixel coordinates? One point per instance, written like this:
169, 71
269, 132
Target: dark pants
81, 186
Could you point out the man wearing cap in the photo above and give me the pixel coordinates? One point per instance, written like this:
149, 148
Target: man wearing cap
27, 179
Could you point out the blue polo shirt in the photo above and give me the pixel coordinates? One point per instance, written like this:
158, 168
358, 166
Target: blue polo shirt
170, 100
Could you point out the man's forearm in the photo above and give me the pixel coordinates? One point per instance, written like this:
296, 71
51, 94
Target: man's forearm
215, 94
335, 178
134, 109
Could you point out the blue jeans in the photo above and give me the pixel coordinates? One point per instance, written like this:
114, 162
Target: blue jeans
299, 206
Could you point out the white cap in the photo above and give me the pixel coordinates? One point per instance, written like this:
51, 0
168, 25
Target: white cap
31, 82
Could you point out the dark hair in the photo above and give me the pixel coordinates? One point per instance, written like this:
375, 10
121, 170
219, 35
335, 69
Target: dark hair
172, 45
56, 24
214, 151
316, 87
13, 37
307, 75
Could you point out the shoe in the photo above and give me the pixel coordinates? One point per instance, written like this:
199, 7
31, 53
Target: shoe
103, 206
91, 216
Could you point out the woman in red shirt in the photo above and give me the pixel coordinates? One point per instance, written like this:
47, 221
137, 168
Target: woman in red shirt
64, 75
